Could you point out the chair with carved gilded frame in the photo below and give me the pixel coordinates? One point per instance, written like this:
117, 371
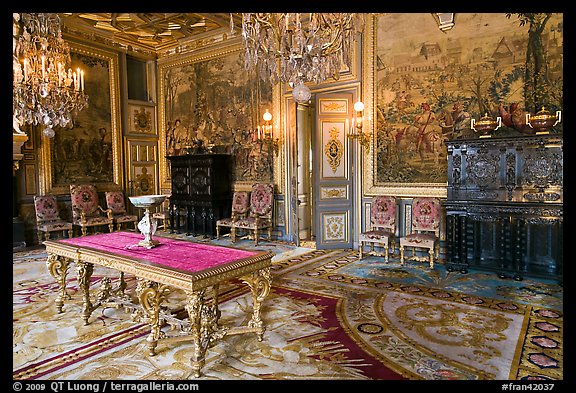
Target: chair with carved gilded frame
116, 202
48, 218
259, 213
86, 212
382, 226
240, 206
426, 216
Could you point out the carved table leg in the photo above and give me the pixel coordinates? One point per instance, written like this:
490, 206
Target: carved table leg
84, 271
58, 268
151, 296
194, 307
259, 283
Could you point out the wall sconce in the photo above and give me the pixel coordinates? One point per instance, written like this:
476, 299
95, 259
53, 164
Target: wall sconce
357, 125
445, 21
265, 132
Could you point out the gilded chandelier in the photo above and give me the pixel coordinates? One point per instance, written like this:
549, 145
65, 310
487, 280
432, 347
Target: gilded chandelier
46, 90
295, 48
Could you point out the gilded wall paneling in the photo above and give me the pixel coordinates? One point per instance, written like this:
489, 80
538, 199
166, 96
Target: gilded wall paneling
90, 152
30, 181
334, 149
334, 227
142, 160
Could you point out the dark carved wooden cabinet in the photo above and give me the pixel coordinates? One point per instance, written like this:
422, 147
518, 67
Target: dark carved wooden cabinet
504, 206
201, 192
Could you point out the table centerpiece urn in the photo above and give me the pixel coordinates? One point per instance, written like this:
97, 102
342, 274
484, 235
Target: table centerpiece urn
486, 125
148, 223
542, 121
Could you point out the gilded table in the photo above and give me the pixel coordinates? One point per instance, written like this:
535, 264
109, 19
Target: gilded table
191, 267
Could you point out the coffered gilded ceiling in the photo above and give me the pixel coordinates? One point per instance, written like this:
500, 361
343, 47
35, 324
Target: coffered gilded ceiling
145, 32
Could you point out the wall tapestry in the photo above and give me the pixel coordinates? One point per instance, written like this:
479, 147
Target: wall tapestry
214, 104
429, 84
88, 151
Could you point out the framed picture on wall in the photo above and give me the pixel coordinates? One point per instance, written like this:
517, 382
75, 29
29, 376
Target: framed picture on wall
141, 119
425, 85
89, 151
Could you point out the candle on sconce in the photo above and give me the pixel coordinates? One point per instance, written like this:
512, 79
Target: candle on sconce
74, 78
347, 126
82, 80
78, 80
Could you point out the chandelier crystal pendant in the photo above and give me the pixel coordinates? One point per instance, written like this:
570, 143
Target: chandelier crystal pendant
46, 90
296, 48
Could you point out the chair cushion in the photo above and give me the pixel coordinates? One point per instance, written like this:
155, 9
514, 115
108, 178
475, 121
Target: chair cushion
115, 201
261, 199
424, 240
426, 213
57, 225
46, 208
92, 221
250, 223
383, 211
375, 235
225, 222
240, 202
125, 218
84, 198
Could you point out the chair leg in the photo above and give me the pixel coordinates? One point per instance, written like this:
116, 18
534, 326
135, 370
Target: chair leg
401, 254
218, 232
84, 231
111, 227
360, 247
269, 233
386, 252
431, 252
233, 234
118, 226
255, 237
70, 233
47, 235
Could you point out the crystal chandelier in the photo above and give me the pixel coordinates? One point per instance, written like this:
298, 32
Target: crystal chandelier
295, 48
46, 90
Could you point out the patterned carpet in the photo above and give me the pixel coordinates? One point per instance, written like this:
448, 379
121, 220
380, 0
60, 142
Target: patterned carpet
329, 316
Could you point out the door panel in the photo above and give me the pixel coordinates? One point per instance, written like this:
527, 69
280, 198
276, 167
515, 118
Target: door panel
333, 175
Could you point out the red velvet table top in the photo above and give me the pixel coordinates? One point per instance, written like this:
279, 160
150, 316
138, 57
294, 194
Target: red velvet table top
178, 254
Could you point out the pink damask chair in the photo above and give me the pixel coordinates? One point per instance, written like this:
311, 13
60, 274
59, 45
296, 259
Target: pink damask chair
48, 217
240, 205
426, 216
86, 212
382, 225
115, 202
259, 213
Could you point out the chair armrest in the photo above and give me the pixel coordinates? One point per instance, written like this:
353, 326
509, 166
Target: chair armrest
107, 211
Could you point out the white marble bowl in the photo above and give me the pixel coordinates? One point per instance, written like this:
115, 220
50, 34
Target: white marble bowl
145, 201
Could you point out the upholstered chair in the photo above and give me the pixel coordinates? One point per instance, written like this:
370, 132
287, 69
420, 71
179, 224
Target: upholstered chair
382, 225
240, 205
86, 212
115, 201
426, 216
48, 217
162, 215
259, 213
